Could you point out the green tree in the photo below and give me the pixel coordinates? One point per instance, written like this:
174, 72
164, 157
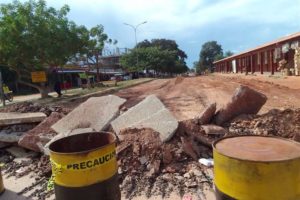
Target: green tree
163, 44
153, 58
209, 53
7, 75
161, 55
98, 39
228, 54
196, 67
35, 37
144, 44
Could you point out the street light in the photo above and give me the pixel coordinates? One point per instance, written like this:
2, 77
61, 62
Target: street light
135, 28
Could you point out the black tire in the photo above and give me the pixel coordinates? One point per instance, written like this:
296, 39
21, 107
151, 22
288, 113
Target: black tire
10, 97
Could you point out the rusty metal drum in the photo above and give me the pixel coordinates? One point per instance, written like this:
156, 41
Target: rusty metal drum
256, 167
1, 183
84, 166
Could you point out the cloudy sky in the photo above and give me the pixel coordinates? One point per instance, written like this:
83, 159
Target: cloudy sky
236, 24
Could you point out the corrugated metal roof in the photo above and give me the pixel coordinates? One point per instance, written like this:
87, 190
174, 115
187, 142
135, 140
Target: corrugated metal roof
280, 40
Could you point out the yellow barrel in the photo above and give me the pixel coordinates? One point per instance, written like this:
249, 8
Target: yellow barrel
1, 183
257, 168
84, 167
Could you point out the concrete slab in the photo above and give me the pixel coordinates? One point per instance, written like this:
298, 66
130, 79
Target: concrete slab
8, 194
4, 144
150, 113
7, 119
95, 113
19, 152
14, 185
62, 135
207, 114
10, 137
244, 101
41, 134
212, 129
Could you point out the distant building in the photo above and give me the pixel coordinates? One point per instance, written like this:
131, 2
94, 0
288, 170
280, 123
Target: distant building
268, 58
109, 65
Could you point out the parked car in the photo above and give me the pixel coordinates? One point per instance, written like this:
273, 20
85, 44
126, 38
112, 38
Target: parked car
117, 77
127, 77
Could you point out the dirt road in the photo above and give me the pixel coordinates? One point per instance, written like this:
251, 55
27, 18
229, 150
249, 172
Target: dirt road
187, 97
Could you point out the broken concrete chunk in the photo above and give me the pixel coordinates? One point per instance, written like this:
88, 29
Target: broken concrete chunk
154, 168
244, 101
4, 144
95, 113
20, 118
42, 133
10, 137
297, 137
206, 116
167, 155
150, 113
45, 149
214, 130
187, 147
19, 152
143, 160
22, 160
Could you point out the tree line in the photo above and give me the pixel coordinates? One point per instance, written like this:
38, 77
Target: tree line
159, 55
210, 52
35, 37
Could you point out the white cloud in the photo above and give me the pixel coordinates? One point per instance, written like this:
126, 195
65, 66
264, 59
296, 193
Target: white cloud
169, 17
190, 22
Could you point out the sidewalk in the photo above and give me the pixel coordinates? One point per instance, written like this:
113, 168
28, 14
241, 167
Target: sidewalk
78, 92
292, 82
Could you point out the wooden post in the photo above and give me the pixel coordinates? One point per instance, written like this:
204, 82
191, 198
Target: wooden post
272, 61
241, 65
1, 90
268, 60
250, 62
262, 62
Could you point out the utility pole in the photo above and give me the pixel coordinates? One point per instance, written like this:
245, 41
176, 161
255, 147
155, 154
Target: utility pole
135, 36
135, 29
1, 90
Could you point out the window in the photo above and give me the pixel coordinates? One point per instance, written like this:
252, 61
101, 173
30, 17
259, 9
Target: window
285, 48
258, 58
277, 53
295, 44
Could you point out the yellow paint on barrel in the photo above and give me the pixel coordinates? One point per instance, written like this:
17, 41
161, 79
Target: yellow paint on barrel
79, 166
257, 168
1, 183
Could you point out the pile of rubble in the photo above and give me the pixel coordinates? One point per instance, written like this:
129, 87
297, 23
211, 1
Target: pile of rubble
17, 163
282, 123
29, 107
152, 167
20, 126
156, 154
160, 166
